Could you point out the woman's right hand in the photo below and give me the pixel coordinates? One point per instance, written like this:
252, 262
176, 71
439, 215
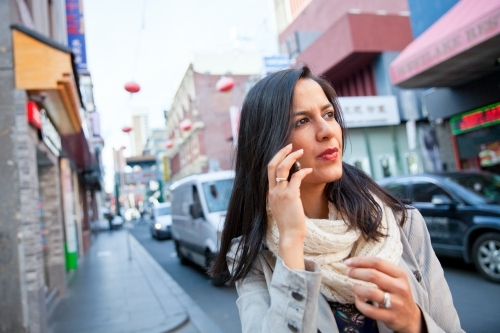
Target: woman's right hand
286, 206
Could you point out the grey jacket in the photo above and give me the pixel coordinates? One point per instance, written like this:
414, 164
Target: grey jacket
273, 298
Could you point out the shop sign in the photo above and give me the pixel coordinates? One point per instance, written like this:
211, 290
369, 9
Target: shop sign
49, 134
475, 119
276, 63
141, 177
489, 154
367, 111
76, 32
33, 114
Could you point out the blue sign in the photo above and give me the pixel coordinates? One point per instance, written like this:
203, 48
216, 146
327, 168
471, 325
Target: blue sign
276, 63
76, 32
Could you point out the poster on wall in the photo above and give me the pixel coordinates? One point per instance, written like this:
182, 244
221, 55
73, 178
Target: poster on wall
430, 149
489, 154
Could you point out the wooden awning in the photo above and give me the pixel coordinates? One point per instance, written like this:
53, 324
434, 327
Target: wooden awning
46, 68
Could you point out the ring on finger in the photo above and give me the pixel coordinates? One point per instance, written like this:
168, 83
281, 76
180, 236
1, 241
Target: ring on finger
278, 179
386, 303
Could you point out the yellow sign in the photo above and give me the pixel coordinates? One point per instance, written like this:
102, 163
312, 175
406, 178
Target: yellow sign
166, 169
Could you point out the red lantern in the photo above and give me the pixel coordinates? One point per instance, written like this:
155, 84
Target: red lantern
185, 125
132, 87
126, 129
169, 144
225, 84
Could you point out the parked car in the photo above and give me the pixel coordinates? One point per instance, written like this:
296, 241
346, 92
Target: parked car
161, 221
462, 213
199, 204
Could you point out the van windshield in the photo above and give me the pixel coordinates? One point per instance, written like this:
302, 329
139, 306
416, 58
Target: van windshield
163, 211
217, 194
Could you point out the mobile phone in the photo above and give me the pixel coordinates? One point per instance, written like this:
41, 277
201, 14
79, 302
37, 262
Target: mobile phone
295, 167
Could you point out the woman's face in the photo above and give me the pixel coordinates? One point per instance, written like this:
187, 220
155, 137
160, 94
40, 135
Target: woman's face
317, 132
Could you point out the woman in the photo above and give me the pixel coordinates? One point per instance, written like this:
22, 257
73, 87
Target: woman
326, 249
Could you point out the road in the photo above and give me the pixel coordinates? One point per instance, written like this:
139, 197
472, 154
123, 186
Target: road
476, 299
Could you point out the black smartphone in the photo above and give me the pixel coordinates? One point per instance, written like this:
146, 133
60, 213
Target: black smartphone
295, 167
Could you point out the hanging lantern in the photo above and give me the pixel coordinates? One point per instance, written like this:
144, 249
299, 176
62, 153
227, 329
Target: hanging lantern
132, 87
126, 129
225, 84
169, 144
185, 125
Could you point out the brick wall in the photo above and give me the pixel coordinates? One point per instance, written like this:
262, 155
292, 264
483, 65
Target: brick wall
50, 191
30, 247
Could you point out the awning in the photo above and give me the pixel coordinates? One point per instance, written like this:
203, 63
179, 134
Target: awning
353, 41
46, 69
464, 44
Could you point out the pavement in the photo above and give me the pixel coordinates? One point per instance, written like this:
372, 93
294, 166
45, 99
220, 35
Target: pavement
112, 293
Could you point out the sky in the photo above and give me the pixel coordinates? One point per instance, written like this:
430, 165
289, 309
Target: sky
152, 42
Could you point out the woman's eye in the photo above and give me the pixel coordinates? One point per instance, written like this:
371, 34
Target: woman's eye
301, 122
330, 114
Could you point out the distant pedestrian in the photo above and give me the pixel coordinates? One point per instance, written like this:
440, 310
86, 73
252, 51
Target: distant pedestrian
327, 250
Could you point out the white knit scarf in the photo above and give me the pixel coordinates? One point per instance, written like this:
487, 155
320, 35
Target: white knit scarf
329, 242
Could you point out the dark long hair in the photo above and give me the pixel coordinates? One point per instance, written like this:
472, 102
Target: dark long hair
266, 125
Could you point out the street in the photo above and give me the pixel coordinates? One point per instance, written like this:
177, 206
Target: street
475, 299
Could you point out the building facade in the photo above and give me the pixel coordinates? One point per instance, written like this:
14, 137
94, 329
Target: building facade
50, 169
199, 130
457, 58
351, 44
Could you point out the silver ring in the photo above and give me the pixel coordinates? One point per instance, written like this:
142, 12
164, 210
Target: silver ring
386, 303
280, 179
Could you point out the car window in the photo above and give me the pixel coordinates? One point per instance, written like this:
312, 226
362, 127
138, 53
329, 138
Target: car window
424, 191
397, 189
485, 185
217, 194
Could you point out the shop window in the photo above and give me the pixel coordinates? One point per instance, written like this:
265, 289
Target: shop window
384, 163
412, 163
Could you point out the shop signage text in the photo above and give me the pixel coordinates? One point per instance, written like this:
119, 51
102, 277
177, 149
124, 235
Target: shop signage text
475, 119
448, 47
76, 32
50, 135
33, 114
141, 176
366, 111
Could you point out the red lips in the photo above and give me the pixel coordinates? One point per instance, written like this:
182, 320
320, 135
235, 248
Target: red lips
330, 154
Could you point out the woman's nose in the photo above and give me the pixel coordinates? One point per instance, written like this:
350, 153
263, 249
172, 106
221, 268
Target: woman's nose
324, 131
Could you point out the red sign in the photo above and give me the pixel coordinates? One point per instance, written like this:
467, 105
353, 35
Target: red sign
33, 114
483, 117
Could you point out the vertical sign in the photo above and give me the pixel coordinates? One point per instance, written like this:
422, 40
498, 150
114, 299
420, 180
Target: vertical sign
76, 32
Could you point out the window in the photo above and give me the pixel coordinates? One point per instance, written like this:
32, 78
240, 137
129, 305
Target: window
217, 194
397, 189
424, 191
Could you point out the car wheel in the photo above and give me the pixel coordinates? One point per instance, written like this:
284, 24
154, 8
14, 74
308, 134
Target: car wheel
183, 260
220, 280
486, 255
153, 234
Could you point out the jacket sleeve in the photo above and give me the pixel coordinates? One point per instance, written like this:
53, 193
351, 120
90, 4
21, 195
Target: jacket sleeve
442, 315
287, 303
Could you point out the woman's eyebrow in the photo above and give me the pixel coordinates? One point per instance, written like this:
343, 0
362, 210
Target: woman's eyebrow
301, 113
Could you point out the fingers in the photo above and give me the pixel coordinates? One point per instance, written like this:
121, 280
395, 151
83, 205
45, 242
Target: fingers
280, 165
377, 271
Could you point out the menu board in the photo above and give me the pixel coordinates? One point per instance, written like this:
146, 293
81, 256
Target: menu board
489, 154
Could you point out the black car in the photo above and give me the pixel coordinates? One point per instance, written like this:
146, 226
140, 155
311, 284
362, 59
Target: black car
462, 213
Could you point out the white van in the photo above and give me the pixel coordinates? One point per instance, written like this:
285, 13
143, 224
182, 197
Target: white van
199, 204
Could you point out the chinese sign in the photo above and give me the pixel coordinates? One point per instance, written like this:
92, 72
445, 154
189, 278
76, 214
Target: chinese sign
76, 32
479, 118
366, 111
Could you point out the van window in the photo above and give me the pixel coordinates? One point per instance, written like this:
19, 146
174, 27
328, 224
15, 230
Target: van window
217, 194
163, 210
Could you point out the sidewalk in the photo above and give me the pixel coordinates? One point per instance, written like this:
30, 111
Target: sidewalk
110, 293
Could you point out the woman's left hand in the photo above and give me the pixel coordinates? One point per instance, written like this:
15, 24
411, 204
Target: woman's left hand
403, 314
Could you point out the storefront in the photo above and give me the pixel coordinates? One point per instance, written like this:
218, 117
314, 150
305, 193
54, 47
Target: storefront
459, 56
477, 136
